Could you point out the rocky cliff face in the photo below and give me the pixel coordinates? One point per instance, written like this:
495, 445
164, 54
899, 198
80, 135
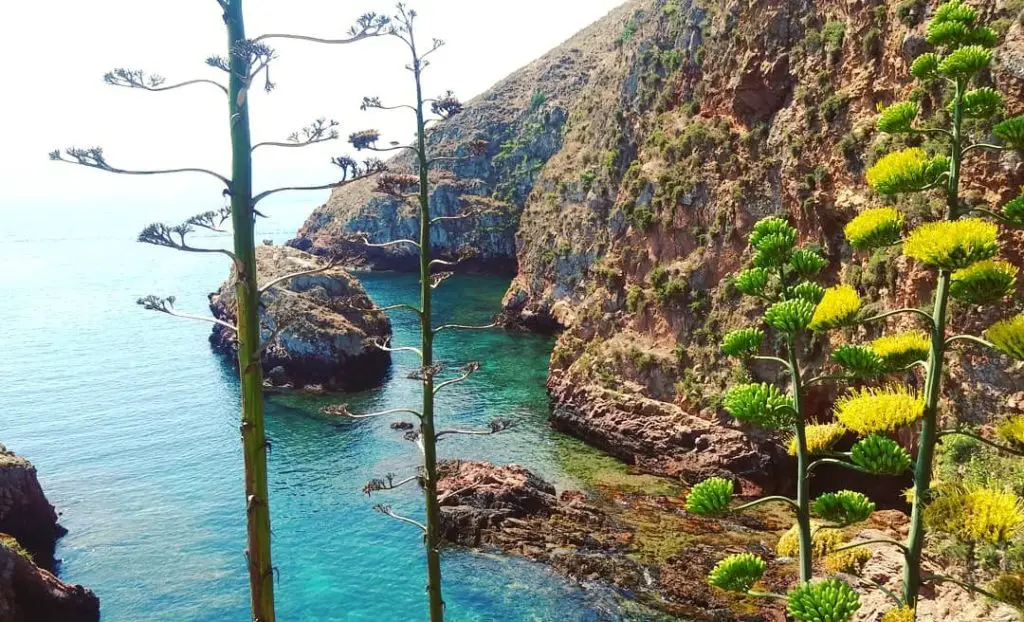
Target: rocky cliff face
29, 531
321, 325
669, 128
25, 514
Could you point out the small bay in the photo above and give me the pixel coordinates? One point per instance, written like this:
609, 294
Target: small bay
133, 424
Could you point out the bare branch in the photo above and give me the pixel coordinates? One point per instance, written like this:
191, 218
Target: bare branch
387, 483
351, 171
387, 511
294, 275
341, 410
383, 345
461, 216
445, 327
496, 426
274, 332
138, 79
368, 25
468, 370
365, 241
93, 158
166, 305
320, 131
446, 106
375, 103
159, 234
439, 277
212, 220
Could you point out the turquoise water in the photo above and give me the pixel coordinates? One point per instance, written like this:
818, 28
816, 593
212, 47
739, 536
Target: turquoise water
132, 423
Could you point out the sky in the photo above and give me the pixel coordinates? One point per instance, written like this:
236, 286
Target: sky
57, 51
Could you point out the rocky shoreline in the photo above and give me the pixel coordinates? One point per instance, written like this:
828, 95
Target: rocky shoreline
29, 588
657, 553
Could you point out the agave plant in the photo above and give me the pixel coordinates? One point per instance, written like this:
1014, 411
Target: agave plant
962, 250
783, 279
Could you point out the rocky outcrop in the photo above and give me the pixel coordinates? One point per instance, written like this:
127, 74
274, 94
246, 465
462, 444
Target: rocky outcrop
29, 591
25, 514
511, 509
30, 594
663, 438
321, 325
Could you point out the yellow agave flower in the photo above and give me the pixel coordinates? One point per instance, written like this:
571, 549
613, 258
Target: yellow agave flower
898, 351
822, 543
869, 410
952, 245
899, 614
838, 307
976, 514
908, 170
1011, 430
820, 436
850, 561
1008, 336
874, 228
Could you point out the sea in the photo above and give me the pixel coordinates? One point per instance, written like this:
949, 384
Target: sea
132, 423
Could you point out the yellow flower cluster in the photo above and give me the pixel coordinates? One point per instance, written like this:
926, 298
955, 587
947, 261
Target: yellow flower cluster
952, 245
822, 543
869, 410
1008, 336
898, 351
908, 170
976, 514
820, 436
850, 561
899, 614
838, 307
1011, 430
873, 228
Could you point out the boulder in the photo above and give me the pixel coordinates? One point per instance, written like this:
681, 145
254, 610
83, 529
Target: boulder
321, 325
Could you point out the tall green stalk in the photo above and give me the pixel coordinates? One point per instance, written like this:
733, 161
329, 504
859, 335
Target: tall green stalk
933, 383
803, 494
250, 369
428, 433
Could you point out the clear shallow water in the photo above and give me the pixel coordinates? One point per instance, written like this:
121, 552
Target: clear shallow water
133, 425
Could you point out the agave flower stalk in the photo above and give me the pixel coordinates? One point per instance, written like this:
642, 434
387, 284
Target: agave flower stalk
782, 277
958, 248
415, 189
247, 60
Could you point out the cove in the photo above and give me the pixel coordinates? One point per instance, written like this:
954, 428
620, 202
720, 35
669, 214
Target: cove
133, 424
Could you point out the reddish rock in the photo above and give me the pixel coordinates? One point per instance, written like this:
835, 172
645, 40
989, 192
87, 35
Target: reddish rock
30, 594
25, 513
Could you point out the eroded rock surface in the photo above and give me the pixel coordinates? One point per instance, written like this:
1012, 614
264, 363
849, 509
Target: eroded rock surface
29, 593
325, 325
25, 514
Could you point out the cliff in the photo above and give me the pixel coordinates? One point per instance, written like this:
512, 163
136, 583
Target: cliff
320, 326
646, 147
29, 590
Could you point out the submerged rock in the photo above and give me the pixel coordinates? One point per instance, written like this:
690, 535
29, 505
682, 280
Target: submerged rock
325, 324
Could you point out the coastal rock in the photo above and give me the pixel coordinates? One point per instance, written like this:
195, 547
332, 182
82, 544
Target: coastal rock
25, 514
30, 594
511, 509
662, 438
322, 324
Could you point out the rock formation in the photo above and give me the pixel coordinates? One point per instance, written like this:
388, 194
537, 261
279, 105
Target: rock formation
30, 594
25, 514
322, 325
630, 163
29, 591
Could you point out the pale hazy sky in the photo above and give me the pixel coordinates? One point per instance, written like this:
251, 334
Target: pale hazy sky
55, 53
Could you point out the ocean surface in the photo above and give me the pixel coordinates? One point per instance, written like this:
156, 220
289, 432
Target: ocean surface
132, 423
